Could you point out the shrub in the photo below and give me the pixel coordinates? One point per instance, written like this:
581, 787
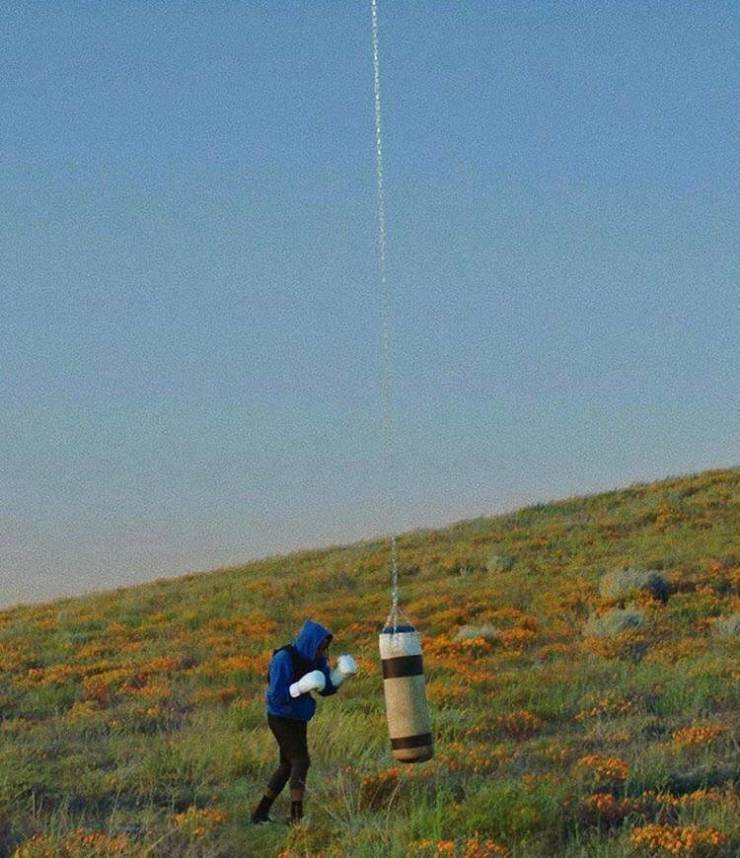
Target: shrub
613, 623
728, 627
516, 811
500, 563
622, 584
466, 633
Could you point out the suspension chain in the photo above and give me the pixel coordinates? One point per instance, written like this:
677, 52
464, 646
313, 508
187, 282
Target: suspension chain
388, 446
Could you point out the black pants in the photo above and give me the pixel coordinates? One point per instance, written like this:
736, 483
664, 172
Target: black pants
294, 759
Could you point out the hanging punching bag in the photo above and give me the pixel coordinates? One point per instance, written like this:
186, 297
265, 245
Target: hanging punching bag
409, 725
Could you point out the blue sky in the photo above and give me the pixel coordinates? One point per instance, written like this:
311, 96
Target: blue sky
190, 342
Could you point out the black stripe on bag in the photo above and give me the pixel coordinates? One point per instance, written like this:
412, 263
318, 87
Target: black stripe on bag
411, 741
405, 665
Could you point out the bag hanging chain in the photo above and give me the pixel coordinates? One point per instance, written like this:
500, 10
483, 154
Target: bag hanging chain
386, 298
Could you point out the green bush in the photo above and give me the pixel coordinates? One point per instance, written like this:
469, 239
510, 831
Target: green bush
466, 633
613, 623
728, 627
515, 812
622, 584
500, 563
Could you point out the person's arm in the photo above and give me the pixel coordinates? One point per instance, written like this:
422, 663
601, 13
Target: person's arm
346, 667
329, 688
314, 680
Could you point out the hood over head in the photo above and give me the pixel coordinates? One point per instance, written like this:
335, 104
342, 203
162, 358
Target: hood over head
309, 639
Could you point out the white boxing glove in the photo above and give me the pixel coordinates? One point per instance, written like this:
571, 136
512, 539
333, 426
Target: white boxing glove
313, 681
346, 666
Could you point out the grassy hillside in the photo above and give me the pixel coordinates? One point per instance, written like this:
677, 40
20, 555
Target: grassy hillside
579, 709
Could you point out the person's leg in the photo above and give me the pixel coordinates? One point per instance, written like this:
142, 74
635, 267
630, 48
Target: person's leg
296, 804
273, 789
279, 777
301, 762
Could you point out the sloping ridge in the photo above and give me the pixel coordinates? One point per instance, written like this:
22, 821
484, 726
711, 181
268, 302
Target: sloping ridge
580, 659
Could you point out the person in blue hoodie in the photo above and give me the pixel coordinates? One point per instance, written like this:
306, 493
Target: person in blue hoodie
295, 671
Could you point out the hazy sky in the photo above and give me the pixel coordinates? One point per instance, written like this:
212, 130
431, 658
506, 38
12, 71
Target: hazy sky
190, 334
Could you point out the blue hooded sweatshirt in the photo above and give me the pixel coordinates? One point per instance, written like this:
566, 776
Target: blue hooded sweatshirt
282, 675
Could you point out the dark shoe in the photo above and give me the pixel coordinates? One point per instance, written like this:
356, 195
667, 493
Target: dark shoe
261, 813
261, 818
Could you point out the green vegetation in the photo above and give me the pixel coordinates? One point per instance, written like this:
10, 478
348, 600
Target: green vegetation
132, 722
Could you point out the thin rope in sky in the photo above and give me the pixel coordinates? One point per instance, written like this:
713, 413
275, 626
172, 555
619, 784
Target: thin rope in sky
388, 447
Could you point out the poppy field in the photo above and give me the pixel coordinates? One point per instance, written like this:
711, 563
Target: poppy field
582, 671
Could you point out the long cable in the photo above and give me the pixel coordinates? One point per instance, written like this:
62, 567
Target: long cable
388, 447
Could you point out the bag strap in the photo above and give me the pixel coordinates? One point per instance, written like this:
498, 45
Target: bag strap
299, 665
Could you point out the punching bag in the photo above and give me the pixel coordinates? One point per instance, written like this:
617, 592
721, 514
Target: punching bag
409, 725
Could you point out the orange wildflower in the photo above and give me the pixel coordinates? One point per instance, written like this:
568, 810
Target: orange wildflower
677, 840
605, 768
519, 725
199, 822
693, 736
